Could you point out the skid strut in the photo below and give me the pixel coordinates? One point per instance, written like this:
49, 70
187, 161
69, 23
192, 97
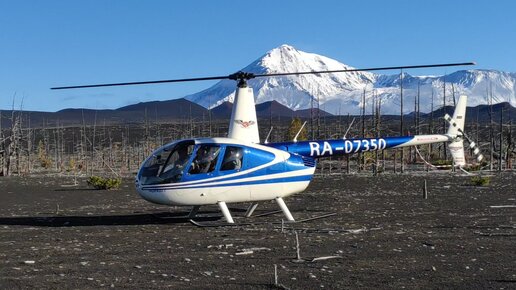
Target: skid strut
194, 211
284, 208
225, 212
251, 209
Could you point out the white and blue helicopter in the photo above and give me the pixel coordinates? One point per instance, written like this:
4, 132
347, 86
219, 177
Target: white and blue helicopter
238, 168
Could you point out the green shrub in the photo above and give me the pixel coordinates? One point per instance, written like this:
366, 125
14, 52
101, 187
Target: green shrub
442, 162
480, 180
476, 167
104, 183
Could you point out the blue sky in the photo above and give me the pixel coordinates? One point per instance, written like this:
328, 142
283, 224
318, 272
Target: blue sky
52, 43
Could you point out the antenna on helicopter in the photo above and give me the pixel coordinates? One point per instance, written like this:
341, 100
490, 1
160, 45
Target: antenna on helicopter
299, 132
349, 128
268, 135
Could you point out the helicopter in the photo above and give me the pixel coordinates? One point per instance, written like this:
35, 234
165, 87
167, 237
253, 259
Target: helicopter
239, 168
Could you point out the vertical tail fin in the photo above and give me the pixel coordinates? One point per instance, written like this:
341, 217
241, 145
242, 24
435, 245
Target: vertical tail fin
243, 123
456, 131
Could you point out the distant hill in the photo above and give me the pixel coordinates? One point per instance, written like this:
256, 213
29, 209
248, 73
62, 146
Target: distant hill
182, 109
481, 112
160, 111
265, 110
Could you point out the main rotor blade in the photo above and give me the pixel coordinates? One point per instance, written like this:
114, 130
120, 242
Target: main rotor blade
368, 69
247, 76
142, 83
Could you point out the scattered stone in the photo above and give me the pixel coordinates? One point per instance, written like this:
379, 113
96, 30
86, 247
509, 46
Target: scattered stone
29, 262
244, 253
325, 258
256, 249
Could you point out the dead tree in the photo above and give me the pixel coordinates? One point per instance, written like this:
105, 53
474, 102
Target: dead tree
11, 144
402, 157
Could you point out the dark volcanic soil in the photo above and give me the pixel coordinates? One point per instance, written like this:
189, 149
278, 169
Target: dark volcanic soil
384, 234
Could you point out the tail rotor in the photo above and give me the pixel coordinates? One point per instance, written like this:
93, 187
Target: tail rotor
456, 131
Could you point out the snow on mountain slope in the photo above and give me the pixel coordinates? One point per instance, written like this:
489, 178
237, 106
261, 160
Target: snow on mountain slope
294, 92
342, 92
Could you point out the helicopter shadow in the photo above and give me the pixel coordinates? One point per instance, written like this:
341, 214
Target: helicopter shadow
103, 220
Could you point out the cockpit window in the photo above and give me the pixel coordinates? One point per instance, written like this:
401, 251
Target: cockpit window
232, 158
166, 165
173, 169
205, 159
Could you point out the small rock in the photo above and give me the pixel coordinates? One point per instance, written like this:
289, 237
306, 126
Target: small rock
187, 259
29, 262
244, 253
138, 267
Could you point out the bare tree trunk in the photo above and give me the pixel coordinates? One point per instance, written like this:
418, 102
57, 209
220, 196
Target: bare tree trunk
402, 157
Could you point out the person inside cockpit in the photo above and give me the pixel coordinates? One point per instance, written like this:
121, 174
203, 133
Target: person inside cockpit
176, 163
205, 160
232, 159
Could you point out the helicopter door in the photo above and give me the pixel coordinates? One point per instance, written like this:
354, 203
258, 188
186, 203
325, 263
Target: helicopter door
266, 186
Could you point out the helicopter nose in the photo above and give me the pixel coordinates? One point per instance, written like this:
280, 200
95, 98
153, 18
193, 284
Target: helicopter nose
147, 195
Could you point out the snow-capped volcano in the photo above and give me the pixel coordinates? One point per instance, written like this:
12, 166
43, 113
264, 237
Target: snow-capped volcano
342, 92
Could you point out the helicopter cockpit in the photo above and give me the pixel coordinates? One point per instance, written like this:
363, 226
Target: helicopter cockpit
172, 162
167, 164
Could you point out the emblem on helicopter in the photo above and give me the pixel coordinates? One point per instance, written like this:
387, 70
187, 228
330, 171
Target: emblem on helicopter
245, 124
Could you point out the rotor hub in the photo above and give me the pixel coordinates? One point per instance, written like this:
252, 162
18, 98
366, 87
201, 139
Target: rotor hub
242, 78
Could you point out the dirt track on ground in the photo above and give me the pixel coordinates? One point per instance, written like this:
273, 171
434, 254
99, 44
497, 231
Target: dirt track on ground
384, 235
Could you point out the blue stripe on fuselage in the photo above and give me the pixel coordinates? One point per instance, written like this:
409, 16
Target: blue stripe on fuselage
236, 183
338, 147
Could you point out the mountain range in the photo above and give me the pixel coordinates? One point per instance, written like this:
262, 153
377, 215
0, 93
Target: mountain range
341, 93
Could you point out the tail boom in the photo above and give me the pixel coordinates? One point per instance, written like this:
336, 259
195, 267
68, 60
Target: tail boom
340, 147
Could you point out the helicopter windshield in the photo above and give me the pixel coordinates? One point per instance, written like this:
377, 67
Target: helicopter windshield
166, 165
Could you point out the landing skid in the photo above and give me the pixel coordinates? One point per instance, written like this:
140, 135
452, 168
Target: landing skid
227, 224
